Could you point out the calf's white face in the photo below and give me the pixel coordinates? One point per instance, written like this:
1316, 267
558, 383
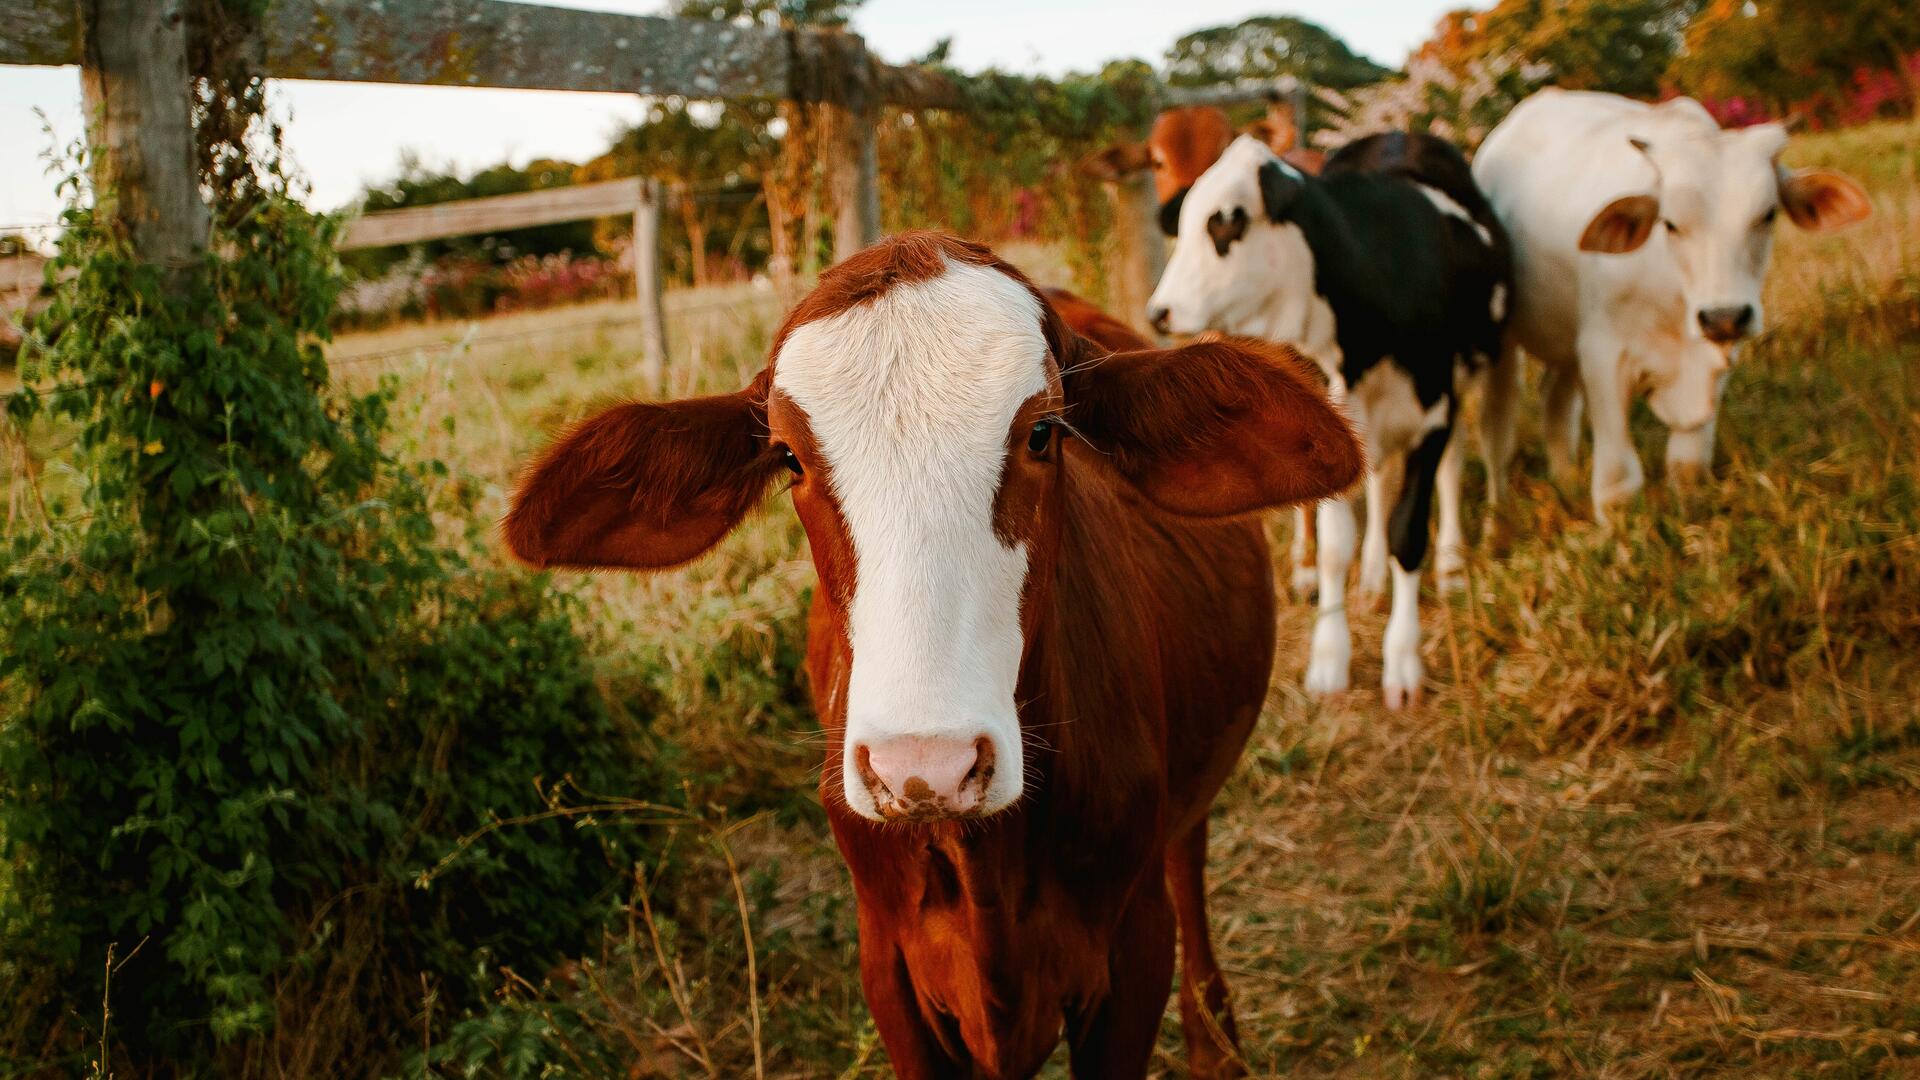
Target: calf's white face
909, 398
1233, 268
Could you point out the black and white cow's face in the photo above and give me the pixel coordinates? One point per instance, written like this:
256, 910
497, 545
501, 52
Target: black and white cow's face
1238, 258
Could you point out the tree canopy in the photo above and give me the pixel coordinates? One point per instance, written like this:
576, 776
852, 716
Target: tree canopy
1788, 52
1265, 47
1622, 46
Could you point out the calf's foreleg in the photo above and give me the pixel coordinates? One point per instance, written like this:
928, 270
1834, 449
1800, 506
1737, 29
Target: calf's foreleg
1206, 1015
1113, 1038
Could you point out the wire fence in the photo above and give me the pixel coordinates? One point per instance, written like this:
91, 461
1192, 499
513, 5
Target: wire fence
469, 344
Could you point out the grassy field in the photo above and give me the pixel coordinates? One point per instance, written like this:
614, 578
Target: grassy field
1659, 814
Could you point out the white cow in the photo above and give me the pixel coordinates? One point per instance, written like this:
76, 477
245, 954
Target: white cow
1641, 235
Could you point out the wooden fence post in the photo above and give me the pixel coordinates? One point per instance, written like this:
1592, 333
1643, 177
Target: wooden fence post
140, 121
853, 164
647, 291
1141, 253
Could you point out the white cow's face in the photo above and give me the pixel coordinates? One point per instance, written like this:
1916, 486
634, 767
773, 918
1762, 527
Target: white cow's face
1714, 203
1236, 259
1719, 199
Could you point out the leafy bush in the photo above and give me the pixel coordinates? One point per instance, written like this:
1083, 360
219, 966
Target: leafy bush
247, 694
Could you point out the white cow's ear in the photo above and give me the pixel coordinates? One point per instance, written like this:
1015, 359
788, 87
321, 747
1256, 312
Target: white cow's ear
1623, 226
1818, 199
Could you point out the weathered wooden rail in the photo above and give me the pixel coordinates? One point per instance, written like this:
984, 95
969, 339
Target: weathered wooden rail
133, 52
637, 196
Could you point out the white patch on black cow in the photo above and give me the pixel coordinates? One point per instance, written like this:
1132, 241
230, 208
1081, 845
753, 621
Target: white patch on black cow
1447, 205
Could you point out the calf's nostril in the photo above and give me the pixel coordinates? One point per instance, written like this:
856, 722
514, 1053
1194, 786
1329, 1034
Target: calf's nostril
1158, 317
863, 761
981, 774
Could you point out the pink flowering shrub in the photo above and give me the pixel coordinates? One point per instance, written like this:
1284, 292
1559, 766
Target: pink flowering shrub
466, 288
1872, 94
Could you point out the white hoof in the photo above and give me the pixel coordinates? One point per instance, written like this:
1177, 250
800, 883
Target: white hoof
1400, 681
1325, 679
1328, 670
1401, 670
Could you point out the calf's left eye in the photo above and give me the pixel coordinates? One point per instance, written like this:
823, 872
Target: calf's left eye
1040, 437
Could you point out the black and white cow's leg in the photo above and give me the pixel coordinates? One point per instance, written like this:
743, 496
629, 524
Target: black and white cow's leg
1450, 545
1329, 665
1617, 473
1306, 569
1373, 544
1332, 657
1402, 670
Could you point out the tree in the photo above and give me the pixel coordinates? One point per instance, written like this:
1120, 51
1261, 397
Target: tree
1789, 52
1621, 46
707, 156
1266, 47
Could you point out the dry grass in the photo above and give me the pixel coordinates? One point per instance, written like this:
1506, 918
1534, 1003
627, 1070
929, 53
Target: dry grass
1659, 815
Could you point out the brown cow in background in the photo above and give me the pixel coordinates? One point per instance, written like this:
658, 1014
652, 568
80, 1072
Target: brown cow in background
1185, 142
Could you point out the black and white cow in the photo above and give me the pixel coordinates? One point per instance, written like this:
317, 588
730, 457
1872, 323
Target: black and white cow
1392, 272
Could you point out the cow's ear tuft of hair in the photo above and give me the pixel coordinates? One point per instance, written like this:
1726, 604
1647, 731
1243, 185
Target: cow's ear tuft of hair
1622, 226
1170, 212
1821, 199
1279, 187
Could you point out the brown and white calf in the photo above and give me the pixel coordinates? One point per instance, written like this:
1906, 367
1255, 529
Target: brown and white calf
1043, 631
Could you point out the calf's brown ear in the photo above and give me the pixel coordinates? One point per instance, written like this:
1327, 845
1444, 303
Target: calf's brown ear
1216, 427
1622, 226
644, 485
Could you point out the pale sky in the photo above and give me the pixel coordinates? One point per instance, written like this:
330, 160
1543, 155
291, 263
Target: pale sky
344, 136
